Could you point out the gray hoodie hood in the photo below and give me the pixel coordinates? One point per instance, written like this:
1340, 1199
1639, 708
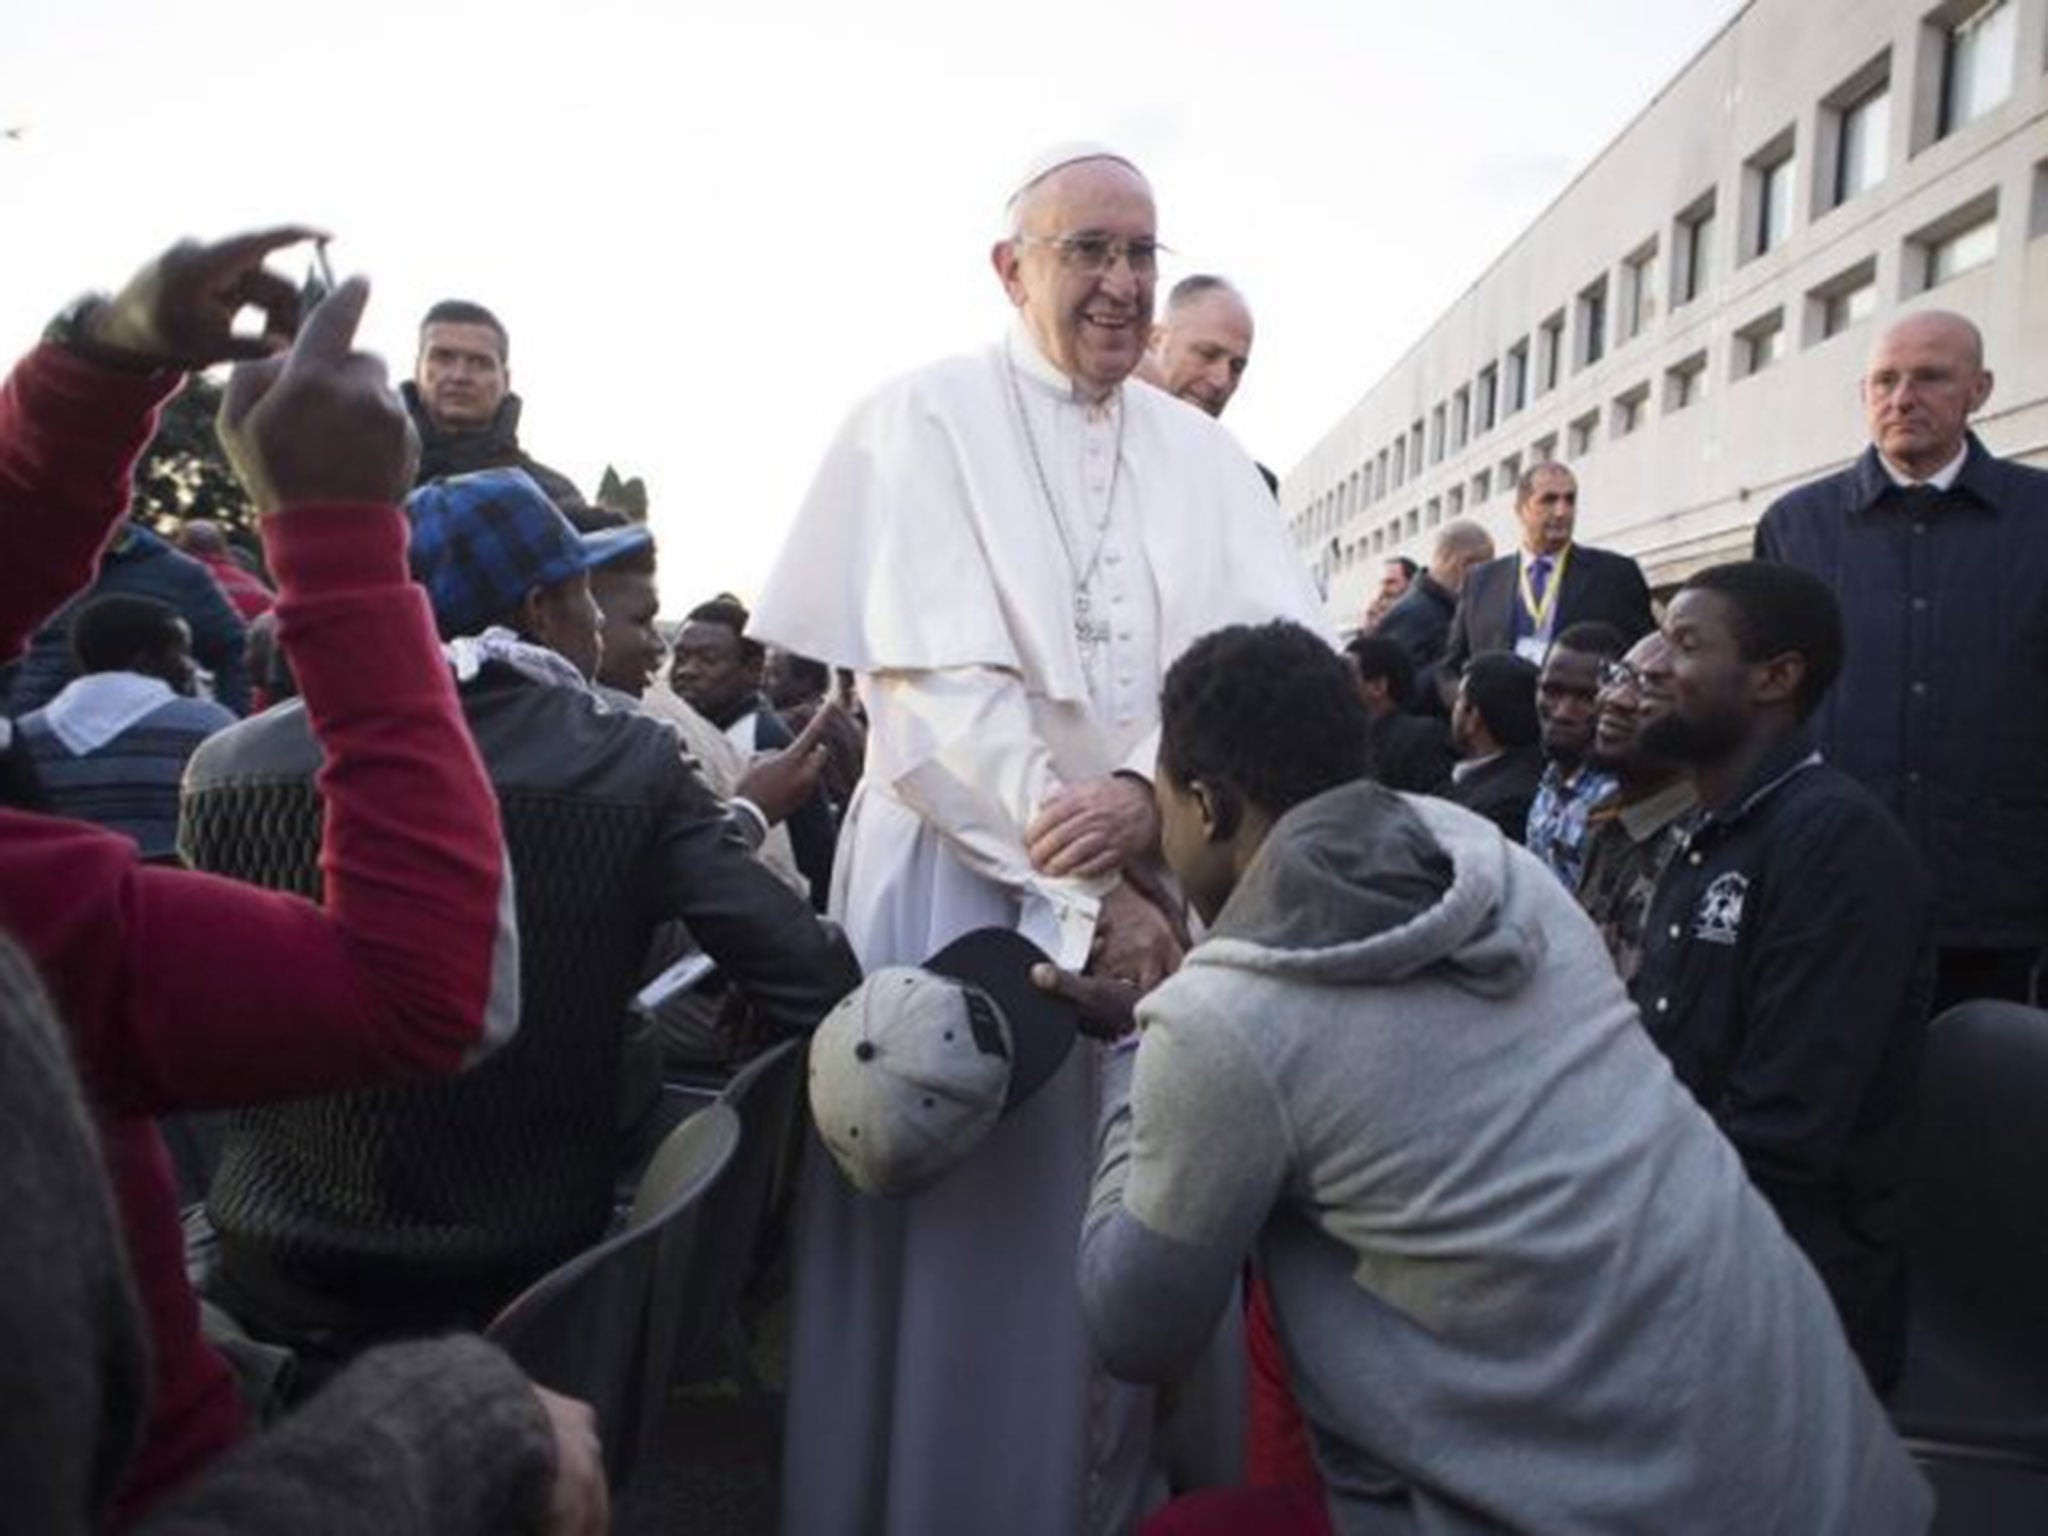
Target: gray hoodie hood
1362, 884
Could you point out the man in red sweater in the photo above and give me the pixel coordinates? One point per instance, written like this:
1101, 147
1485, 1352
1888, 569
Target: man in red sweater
186, 992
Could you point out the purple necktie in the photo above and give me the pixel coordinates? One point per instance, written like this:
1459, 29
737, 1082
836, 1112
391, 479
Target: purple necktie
1539, 579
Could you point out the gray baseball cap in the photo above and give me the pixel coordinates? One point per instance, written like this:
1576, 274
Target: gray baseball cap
915, 1066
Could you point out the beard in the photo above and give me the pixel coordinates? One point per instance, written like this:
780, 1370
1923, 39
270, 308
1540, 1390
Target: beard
1691, 743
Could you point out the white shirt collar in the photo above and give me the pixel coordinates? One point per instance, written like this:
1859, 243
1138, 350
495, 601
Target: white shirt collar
1462, 771
1941, 479
92, 710
1032, 364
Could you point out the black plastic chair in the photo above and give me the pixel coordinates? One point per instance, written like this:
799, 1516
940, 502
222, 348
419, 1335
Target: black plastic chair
609, 1325
764, 1095
1973, 1401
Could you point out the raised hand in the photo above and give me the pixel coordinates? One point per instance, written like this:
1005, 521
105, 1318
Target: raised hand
179, 310
779, 782
320, 423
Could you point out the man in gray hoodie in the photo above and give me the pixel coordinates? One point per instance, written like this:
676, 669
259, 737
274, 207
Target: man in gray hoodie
1520, 1280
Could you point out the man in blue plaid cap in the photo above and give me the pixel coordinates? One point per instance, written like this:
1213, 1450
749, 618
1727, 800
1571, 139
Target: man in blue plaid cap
350, 1219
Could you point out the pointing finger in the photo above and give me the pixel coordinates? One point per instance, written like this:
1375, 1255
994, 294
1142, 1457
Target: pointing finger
249, 383
328, 334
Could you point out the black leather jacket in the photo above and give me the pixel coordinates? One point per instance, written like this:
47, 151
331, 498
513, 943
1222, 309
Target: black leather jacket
431, 1204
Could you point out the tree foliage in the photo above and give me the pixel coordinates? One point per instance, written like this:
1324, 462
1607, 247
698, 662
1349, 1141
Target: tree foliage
628, 497
184, 472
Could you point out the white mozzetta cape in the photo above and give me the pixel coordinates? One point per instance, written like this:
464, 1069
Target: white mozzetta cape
927, 559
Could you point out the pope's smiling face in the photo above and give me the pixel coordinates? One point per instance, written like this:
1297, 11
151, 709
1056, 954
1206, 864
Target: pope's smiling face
1093, 325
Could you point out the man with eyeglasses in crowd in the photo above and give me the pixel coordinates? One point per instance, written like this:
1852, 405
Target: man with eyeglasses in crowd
1938, 553
1009, 547
1632, 834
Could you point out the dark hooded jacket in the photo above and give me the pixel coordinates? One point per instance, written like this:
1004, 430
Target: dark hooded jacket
496, 447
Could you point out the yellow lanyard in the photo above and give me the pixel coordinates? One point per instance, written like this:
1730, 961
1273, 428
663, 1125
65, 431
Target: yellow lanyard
1539, 613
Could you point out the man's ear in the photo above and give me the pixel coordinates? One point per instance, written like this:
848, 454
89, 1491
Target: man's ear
1782, 676
1003, 256
1222, 809
1982, 393
1155, 339
534, 616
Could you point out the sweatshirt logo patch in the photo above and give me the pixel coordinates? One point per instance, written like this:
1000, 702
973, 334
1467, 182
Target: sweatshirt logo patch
1719, 918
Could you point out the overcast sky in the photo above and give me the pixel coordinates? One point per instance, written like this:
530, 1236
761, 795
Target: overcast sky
711, 228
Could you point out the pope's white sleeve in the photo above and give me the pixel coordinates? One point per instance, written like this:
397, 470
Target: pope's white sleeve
958, 747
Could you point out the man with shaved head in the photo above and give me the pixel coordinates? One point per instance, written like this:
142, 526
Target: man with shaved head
1938, 552
1420, 619
1008, 548
1199, 352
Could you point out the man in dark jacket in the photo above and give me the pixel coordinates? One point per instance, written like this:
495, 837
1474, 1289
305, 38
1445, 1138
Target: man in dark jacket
1938, 554
1420, 619
139, 564
1408, 752
1521, 601
347, 1219
1495, 731
1783, 967
461, 400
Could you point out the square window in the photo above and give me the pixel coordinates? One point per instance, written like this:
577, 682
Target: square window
1550, 353
1693, 248
1630, 410
1953, 244
1759, 344
1510, 471
1592, 322
1685, 382
1863, 143
1768, 179
1543, 450
1842, 301
1639, 292
1580, 434
1482, 487
1952, 255
1977, 64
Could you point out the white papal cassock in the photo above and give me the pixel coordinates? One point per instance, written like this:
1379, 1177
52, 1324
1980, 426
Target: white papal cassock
1009, 569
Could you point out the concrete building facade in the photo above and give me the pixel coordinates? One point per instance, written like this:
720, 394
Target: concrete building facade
1687, 323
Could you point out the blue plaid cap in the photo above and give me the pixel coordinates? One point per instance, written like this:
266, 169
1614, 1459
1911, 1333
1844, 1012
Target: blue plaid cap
481, 542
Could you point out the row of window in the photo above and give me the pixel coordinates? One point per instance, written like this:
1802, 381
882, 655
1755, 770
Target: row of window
1957, 243
1975, 53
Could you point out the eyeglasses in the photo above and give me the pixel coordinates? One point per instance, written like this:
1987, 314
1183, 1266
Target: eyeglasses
1095, 254
1619, 674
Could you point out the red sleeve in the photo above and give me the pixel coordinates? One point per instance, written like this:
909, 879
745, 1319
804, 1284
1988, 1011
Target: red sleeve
224, 994
70, 433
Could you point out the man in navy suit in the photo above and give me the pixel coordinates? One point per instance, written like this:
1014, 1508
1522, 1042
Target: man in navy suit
1518, 602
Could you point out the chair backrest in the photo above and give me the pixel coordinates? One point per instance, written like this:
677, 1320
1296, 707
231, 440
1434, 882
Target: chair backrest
763, 1094
604, 1325
1980, 1238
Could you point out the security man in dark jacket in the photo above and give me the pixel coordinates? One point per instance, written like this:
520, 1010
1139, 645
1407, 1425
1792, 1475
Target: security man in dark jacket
461, 401
1938, 553
1784, 964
